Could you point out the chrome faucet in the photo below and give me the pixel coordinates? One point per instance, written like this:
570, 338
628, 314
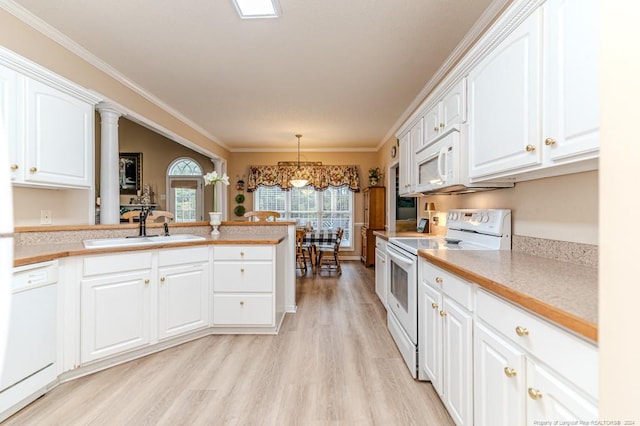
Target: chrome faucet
143, 221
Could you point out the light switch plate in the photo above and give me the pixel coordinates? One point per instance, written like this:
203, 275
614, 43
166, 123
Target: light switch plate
45, 217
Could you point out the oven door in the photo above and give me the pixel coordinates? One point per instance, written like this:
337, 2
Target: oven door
403, 290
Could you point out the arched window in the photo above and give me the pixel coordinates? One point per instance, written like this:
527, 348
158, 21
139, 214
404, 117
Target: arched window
184, 184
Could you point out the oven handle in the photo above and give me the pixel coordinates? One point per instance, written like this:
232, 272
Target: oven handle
401, 260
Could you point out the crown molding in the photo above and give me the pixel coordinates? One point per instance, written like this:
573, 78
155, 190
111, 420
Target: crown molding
49, 31
478, 28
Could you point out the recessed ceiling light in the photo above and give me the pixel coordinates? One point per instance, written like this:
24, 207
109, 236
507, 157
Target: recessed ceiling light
249, 9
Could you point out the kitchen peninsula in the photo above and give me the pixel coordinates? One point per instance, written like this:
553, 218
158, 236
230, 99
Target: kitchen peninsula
115, 304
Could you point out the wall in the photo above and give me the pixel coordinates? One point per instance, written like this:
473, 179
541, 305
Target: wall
239, 163
157, 153
561, 208
67, 206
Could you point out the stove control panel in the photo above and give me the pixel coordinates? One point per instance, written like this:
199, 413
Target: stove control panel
485, 221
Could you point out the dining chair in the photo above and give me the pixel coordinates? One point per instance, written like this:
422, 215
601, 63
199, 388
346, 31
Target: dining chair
328, 256
261, 215
301, 252
153, 216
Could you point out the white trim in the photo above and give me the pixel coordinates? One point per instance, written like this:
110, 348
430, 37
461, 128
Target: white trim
47, 30
35, 71
458, 53
199, 190
503, 26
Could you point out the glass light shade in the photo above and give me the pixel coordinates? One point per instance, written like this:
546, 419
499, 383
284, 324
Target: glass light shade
298, 180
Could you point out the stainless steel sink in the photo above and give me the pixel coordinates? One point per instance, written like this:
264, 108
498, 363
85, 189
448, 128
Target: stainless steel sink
139, 241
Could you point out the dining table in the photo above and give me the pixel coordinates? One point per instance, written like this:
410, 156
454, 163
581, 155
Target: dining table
319, 238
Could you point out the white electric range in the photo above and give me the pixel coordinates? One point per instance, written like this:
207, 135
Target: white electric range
467, 229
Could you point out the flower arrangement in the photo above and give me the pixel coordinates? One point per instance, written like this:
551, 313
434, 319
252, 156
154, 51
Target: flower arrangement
375, 175
212, 178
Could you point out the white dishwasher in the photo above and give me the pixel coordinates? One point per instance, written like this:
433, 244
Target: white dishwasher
30, 356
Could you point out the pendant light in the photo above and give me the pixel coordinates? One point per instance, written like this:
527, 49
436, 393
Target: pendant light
298, 179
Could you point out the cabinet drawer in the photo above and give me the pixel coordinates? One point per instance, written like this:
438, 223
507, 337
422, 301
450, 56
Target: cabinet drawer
247, 309
236, 277
456, 288
381, 244
95, 265
183, 256
240, 252
574, 358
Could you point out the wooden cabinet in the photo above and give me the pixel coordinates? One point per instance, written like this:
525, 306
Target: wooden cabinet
446, 352
381, 280
50, 133
183, 293
243, 286
374, 219
533, 100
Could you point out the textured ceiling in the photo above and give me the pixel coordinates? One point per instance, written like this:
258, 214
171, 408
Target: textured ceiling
342, 73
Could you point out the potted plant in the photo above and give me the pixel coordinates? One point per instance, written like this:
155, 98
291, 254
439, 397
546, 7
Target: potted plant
375, 176
215, 216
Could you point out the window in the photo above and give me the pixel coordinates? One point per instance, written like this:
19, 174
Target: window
330, 208
184, 182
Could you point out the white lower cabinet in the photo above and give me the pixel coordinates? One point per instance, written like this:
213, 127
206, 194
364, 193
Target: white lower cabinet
115, 314
499, 382
446, 339
381, 271
527, 368
243, 286
183, 302
132, 300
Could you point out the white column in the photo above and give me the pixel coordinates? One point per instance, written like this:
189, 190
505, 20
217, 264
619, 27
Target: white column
109, 165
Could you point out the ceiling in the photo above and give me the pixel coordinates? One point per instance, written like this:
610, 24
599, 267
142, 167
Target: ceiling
341, 73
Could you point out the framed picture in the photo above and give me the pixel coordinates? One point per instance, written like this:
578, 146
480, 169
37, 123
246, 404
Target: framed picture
406, 202
422, 225
130, 172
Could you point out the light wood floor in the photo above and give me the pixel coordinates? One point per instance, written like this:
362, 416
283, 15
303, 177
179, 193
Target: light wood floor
333, 362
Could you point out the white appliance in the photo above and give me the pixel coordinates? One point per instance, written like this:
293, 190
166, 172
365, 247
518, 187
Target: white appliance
442, 167
467, 229
6, 232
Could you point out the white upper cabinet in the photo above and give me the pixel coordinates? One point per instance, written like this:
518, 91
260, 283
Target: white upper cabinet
448, 111
49, 125
504, 99
570, 114
533, 100
59, 143
407, 154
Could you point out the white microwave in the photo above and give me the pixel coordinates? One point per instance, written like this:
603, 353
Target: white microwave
442, 167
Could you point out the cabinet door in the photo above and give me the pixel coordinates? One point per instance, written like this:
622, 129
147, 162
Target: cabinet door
10, 113
454, 109
381, 276
115, 314
571, 78
183, 299
430, 340
457, 335
405, 169
59, 138
432, 124
504, 104
415, 142
550, 397
499, 380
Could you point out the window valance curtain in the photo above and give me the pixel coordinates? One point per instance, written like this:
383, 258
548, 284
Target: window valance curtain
320, 177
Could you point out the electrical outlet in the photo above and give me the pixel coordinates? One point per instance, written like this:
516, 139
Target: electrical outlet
45, 217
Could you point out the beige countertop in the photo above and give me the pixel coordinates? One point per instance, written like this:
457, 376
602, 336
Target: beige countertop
24, 255
562, 292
